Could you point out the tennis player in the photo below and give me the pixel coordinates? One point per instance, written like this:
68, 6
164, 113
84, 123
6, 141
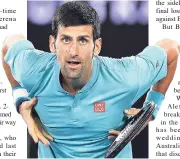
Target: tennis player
81, 95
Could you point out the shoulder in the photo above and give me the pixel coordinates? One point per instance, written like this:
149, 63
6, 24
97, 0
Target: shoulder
24, 51
153, 52
120, 71
116, 64
17, 47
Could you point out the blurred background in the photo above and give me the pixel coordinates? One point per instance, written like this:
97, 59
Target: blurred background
124, 33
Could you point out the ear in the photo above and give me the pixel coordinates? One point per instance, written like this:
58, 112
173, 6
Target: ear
52, 46
97, 48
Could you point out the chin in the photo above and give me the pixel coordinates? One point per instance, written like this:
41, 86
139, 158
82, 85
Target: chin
74, 77
76, 74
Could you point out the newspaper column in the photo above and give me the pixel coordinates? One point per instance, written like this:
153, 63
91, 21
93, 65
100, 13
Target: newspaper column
164, 136
13, 131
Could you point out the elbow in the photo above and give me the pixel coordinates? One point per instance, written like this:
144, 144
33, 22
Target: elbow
172, 49
9, 41
4, 49
172, 55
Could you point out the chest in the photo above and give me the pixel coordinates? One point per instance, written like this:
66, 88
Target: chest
90, 110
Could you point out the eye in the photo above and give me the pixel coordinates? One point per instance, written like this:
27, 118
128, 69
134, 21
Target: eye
66, 40
83, 41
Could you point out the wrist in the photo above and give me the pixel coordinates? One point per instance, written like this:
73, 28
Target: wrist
157, 98
20, 95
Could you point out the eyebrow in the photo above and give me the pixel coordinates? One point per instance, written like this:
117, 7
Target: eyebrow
65, 35
81, 36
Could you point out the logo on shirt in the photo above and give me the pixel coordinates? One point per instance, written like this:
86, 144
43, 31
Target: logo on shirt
99, 107
157, 64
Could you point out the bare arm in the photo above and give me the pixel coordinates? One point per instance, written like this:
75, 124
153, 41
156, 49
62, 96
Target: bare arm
6, 45
25, 108
172, 49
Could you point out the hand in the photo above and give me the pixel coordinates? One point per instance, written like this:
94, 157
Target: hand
128, 112
34, 125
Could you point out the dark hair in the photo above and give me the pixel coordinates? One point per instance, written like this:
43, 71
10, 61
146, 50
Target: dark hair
76, 13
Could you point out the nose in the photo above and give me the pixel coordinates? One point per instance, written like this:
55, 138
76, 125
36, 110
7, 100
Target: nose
73, 49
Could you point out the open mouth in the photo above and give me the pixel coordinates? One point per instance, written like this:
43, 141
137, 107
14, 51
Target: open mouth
73, 62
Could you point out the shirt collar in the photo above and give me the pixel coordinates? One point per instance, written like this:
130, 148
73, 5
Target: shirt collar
87, 86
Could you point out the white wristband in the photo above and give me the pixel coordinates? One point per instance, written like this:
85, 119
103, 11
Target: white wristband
20, 95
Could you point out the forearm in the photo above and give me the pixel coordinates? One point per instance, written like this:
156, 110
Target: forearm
158, 90
19, 94
172, 49
163, 84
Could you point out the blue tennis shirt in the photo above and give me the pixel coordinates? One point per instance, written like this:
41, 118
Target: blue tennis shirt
79, 124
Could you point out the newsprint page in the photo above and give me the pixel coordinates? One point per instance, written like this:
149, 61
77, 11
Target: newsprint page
128, 26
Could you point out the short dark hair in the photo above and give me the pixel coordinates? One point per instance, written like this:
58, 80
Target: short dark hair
76, 13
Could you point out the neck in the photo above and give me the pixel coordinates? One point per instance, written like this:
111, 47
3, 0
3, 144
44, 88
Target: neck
74, 85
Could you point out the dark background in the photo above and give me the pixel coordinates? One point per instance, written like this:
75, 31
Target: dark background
118, 41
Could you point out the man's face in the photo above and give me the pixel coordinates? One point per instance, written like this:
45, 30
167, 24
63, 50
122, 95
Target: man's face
75, 49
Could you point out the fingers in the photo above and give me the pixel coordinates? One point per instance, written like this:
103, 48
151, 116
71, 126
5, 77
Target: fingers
132, 111
39, 126
38, 136
34, 127
41, 137
31, 130
112, 137
128, 112
36, 131
33, 101
27, 105
33, 135
114, 132
47, 135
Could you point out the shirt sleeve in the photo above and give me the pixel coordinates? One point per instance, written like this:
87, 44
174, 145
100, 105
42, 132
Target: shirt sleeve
136, 74
27, 63
151, 65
